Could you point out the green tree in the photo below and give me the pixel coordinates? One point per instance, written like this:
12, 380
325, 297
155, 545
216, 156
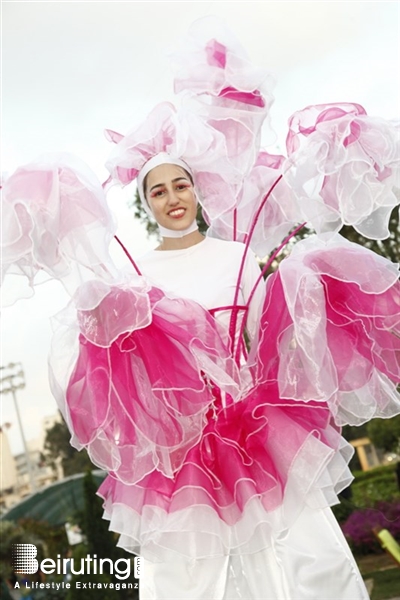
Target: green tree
100, 540
57, 445
385, 433
353, 432
10, 534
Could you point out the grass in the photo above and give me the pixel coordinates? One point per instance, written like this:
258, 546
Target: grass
384, 573
386, 583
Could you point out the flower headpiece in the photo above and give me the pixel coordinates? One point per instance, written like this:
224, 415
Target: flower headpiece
341, 166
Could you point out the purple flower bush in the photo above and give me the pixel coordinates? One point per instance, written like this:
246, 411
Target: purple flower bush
358, 527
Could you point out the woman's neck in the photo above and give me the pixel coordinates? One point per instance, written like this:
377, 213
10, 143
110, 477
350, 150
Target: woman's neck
186, 241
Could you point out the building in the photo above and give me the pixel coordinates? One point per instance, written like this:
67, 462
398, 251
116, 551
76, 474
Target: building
16, 480
8, 472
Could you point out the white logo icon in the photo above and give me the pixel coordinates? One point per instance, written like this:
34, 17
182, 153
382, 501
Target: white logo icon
23, 559
137, 564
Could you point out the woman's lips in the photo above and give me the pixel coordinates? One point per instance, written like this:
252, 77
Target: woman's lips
177, 213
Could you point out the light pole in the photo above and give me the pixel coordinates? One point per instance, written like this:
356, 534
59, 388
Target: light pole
12, 379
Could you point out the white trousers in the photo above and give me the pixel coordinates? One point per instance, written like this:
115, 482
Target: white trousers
311, 562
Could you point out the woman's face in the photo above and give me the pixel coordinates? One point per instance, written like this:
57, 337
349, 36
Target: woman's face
171, 197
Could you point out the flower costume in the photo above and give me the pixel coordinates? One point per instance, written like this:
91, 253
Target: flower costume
224, 460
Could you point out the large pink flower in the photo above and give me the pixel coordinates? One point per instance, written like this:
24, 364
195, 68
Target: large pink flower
56, 219
157, 134
225, 88
343, 166
183, 135
277, 217
212, 61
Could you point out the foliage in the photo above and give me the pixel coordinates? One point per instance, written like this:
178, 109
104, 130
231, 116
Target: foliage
385, 433
100, 540
371, 487
53, 539
386, 583
10, 534
354, 432
80, 552
57, 445
50, 594
367, 490
383, 470
358, 527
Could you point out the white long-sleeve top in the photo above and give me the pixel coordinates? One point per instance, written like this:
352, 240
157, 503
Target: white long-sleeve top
207, 273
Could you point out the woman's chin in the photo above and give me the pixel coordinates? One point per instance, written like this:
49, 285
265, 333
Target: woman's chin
177, 224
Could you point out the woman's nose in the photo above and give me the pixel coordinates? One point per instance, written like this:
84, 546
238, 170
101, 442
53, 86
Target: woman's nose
172, 197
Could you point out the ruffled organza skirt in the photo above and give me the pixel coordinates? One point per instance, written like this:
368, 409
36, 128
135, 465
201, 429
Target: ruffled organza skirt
222, 475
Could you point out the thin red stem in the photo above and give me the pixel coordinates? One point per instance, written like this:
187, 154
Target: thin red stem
128, 255
233, 321
272, 258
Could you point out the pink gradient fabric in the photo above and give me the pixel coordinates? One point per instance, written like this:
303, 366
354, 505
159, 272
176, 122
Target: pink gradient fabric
342, 165
55, 220
165, 410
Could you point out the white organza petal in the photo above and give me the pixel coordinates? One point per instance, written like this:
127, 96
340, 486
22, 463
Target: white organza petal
56, 220
343, 166
341, 342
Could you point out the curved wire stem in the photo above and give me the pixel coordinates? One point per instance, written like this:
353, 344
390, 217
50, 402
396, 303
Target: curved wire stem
128, 255
233, 320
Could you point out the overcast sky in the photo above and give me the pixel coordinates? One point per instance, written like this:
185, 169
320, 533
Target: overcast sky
72, 69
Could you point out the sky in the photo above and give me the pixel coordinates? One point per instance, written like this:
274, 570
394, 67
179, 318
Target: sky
72, 69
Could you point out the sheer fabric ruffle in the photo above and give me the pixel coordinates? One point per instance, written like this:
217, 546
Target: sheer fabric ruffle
333, 310
139, 389
327, 354
55, 221
343, 165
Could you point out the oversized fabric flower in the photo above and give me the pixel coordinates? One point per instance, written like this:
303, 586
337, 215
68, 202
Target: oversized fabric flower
182, 135
157, 134
340, 338
56, 219
343, 166
212, 61
267, 202
225, 88
216, 131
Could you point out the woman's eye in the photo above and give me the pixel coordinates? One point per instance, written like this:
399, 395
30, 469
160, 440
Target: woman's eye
157, 193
